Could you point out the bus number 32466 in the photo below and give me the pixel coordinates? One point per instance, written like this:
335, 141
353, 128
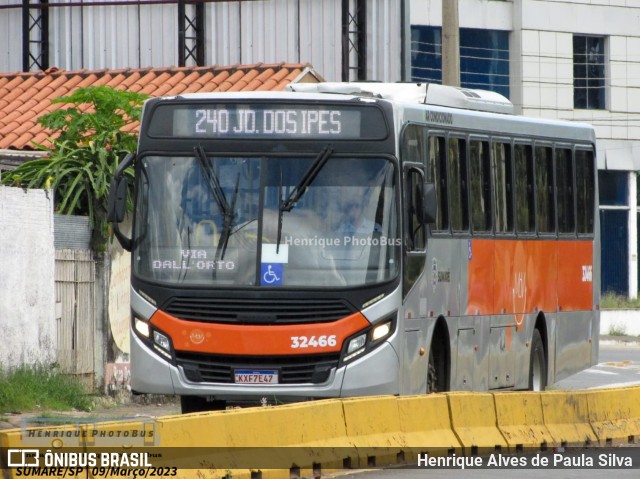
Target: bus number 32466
303, 342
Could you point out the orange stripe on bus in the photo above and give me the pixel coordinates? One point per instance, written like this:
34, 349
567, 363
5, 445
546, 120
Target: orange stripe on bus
250, 340
520, 277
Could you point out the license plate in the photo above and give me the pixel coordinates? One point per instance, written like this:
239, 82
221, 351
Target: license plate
256, 376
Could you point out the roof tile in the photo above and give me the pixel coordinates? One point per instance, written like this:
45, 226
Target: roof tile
24, 97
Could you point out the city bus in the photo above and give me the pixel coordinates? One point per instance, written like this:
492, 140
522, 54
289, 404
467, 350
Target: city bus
351, 239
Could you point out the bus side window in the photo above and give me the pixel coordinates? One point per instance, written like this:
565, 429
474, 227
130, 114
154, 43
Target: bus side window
525, 219
416, 229
458, 183
502, 168
585, 188
480, 178
413, 144
545, 203
438, 175
565, 192
413, 151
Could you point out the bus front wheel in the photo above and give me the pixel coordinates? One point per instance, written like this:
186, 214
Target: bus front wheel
537, 364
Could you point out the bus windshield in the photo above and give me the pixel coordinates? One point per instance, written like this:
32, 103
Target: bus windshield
208, 220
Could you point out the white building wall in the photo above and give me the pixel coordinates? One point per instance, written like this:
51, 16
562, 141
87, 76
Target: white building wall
27, 291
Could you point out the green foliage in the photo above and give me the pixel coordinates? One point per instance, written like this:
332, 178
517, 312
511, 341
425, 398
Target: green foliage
613, 301
27, 388
85, 154
617, 330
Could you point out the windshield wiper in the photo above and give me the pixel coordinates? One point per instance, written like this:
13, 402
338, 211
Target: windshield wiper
218, 193
308, 177
295, 194
228, 222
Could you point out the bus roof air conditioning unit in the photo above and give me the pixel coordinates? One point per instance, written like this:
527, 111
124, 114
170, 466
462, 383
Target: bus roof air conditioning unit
481, 100
428, 93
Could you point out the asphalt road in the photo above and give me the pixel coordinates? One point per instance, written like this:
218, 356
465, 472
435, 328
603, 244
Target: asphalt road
618, 366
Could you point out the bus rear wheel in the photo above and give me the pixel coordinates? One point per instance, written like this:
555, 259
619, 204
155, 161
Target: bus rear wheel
436, 370
200, 404
537, 364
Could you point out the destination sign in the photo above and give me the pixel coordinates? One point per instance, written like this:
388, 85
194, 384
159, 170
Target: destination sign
262, 121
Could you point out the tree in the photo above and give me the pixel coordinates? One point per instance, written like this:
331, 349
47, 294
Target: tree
92, 140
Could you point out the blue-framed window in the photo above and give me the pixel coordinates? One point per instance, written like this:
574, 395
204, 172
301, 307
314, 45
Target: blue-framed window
613, 188
484, 57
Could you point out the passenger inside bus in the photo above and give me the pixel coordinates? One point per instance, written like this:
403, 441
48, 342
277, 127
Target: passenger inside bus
354, 218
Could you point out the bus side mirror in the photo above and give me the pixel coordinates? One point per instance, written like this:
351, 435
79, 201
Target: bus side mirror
429, 203
117, 200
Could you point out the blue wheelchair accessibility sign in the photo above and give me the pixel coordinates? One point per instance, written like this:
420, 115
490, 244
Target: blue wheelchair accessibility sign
271, 274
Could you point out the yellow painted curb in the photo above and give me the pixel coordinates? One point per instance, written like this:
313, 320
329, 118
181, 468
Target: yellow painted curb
614, 415
473, 418
520, 420
373, 426
426, 424
320, 437
566, 415
299, 435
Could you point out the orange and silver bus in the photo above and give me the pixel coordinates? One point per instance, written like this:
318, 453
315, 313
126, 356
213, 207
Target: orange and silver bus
344, 239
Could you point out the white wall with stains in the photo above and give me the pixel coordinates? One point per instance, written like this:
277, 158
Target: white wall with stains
27, 291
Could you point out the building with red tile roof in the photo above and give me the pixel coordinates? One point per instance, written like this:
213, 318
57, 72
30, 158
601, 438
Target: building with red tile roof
26, 96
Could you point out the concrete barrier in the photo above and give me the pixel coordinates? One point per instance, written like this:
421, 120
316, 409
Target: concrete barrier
619, 424
473, 420
294, 435
566, 415
373, 427
426, 424
313, 438
521, 421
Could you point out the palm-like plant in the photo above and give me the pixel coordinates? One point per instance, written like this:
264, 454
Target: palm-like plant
85, 154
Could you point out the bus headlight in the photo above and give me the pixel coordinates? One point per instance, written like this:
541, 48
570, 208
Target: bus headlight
162, 341
152, 338
142, 327
355, 347
381, 331
369, 339
356, 343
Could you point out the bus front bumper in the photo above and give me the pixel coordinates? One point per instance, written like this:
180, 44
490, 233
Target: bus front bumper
375, 373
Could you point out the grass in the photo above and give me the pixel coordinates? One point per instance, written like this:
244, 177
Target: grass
617, 330
614, 301
30, 388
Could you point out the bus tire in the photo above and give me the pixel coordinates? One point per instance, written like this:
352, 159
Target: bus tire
436, 369
537, 364
190, 404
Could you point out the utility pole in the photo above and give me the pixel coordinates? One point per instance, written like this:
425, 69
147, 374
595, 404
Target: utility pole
450, 43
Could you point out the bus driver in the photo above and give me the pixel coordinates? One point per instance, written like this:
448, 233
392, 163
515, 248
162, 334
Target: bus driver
354, 220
